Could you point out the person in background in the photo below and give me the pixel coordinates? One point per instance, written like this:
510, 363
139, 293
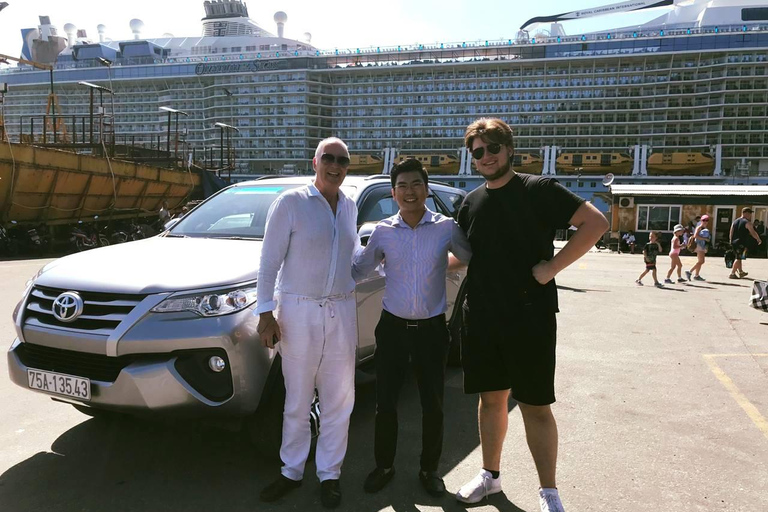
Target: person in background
741, 234
702, 237
651, 250
629, 240
674, 256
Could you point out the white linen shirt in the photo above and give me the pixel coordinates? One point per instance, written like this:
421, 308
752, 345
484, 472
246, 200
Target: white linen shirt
415, 262
307, 250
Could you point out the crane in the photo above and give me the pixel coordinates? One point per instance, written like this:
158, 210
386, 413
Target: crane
53, 108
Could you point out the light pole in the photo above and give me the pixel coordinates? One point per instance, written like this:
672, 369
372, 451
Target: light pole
168, 141
230, 162
101, 90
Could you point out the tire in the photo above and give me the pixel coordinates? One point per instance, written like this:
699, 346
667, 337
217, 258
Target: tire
265, 427
103, 241
80, 245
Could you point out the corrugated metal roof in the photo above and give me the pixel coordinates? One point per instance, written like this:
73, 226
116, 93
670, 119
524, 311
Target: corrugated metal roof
690, 190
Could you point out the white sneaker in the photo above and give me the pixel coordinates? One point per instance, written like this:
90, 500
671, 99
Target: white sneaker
549, 500
481, 486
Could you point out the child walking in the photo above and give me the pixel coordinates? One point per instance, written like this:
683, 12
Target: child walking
650, 251
674, 255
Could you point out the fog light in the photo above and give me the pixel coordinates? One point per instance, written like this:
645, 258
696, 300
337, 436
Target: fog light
217, 364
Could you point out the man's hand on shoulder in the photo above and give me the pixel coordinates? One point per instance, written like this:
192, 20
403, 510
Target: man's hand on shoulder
268, 329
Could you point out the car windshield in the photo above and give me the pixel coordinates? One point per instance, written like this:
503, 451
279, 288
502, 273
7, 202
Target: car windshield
238, 212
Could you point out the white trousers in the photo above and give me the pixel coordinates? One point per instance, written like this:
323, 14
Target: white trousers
319, 340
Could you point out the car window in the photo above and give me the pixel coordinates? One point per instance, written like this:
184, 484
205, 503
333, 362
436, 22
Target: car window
451, 200
234, 212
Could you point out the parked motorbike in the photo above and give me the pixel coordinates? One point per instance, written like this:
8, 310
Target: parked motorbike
9, 246
84, 239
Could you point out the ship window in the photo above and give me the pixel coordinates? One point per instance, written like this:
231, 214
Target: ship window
755, 14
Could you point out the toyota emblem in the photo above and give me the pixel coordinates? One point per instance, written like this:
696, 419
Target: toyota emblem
68, 307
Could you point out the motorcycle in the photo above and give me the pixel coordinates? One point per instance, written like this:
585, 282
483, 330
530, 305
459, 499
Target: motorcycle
8, 246
84, 239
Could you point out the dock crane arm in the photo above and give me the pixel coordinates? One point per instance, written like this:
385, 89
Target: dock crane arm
626, 6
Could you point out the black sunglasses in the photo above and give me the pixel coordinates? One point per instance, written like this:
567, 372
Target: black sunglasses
493, 149
328, 158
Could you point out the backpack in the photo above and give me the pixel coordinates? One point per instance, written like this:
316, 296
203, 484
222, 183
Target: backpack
691, 246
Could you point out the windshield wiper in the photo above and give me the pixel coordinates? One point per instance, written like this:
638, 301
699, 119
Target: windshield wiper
236, 238
173, 235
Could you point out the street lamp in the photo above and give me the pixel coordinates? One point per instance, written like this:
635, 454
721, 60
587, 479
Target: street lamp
225, 127
101, 90
168, 142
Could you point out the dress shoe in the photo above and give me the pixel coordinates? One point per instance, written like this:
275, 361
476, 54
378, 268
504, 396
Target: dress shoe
378, 479
279, 488
330, 493
432, 482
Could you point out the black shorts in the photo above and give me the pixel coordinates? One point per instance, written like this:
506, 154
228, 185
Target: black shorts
514, 351
741, 251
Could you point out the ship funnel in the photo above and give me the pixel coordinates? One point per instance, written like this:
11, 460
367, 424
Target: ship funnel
101, 29
136, 28
280, 18
71, 31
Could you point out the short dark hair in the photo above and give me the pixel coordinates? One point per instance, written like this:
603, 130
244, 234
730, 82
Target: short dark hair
408, 165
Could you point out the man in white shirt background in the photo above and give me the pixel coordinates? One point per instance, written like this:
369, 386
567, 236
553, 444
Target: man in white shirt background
414, 245
310, 237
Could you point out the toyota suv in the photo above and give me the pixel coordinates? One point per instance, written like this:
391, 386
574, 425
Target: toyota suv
165, 326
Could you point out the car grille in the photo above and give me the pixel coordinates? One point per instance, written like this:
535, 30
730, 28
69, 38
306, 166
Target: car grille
102, 312
79, 364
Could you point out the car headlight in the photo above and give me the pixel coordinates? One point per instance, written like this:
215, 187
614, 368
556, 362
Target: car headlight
209, 304
32, 279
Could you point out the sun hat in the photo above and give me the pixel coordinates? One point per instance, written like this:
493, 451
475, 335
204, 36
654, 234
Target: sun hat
704, 218
678, 227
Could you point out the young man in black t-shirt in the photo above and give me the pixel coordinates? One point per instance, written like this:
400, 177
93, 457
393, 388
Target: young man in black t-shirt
510, 327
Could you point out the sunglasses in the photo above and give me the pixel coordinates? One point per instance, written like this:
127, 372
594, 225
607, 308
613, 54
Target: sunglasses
493, 149
328, 158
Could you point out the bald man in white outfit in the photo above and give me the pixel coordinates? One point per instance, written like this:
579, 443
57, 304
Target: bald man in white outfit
310, 237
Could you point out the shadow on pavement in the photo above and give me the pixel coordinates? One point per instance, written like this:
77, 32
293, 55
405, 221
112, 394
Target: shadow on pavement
578, 290
691, 285
729, 284
117, 464
668, 288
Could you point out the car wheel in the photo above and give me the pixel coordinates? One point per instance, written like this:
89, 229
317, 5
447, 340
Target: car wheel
265, 427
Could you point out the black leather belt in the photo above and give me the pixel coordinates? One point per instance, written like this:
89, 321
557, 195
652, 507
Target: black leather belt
413, 324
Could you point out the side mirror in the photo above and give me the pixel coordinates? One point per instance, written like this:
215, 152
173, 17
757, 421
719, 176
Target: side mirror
365, 232
168, 225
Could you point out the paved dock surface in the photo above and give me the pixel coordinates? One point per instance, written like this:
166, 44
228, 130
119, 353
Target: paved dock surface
662, 405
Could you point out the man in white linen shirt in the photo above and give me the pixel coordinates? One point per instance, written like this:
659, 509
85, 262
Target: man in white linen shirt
414, 245
311, 234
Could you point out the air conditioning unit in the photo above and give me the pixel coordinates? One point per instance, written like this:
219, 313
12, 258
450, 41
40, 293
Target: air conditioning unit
626, 202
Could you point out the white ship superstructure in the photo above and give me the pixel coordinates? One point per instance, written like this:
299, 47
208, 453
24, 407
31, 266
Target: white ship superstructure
684, 95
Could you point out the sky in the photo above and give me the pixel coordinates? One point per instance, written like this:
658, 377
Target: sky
333, 24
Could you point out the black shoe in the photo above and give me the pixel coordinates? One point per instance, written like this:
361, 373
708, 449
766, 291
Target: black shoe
432, 482
378, 479
279, 488
330, 493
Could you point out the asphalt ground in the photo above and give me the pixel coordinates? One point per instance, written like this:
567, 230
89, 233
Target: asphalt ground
662, 406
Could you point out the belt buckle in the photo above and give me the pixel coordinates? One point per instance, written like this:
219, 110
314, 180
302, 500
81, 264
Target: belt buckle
411, 324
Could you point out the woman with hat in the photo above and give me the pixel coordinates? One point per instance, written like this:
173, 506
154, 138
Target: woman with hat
702, 237
674, 255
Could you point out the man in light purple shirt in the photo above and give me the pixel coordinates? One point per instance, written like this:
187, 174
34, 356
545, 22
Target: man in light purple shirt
415, 246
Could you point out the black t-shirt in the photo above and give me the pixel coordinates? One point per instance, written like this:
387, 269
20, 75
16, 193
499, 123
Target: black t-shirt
741, 235
651, 250
510, 230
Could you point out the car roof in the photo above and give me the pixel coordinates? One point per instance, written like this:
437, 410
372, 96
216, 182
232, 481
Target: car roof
352, 181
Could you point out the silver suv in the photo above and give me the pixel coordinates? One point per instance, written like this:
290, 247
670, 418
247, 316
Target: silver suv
165, 325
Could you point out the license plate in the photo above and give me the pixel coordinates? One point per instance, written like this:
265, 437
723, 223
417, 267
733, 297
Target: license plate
60, 384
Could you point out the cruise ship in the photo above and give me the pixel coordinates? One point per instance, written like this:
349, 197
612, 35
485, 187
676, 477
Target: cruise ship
682, 98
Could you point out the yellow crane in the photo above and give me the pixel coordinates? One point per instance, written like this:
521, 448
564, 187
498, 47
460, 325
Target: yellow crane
54, 120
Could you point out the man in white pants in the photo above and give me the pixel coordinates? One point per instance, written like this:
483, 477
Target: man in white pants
310, 237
